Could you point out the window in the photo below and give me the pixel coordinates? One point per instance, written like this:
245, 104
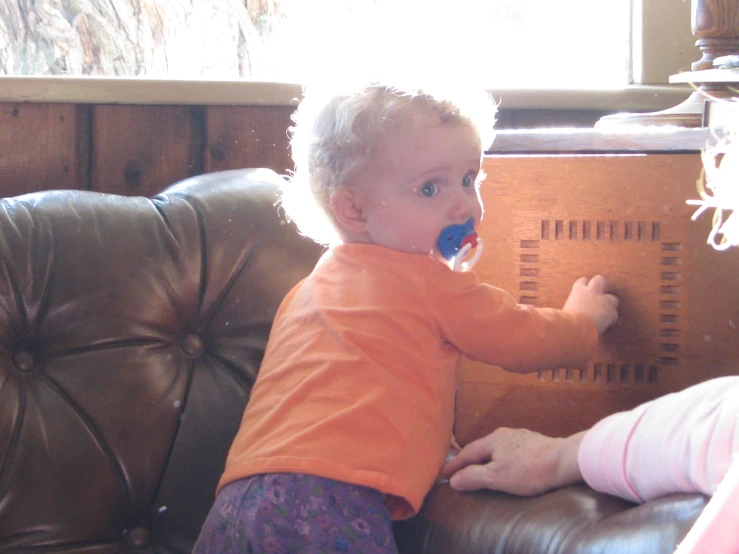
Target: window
506, 43
511, 43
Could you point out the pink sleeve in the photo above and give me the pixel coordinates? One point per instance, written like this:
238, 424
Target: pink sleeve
716, 531
681, 442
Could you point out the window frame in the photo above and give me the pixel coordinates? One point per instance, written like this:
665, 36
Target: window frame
664, 25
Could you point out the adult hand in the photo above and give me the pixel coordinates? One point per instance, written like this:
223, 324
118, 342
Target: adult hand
516, 461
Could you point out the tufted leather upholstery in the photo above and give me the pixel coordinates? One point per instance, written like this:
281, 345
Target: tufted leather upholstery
131, 331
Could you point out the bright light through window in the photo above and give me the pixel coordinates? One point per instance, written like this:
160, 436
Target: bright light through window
517, 43
506, 43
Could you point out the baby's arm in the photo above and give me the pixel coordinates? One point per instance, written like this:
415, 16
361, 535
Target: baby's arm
488, 325
591, 298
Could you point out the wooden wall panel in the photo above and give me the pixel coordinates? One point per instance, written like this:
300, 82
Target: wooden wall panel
140, 150
248, 136
552, 219
43, 146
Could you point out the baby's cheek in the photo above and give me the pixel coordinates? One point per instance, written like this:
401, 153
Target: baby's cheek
421, 241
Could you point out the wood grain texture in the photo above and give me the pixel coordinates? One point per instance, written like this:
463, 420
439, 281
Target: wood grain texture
140, 150
715, 19
248, 136
43, 146
715, 23
552, 219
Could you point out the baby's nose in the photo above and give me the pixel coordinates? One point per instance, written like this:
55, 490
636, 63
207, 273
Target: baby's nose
462, 209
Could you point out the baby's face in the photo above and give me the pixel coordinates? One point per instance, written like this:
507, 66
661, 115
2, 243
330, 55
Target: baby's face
422, 177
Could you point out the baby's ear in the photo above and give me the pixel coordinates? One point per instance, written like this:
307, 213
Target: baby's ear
347, 210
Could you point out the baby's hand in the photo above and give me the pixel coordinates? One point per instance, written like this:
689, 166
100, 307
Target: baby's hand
591, 299
454, 449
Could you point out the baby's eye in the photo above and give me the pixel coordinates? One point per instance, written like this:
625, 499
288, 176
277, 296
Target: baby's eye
429, 189
467, 181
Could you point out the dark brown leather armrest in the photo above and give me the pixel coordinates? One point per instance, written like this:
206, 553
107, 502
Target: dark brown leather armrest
568, 521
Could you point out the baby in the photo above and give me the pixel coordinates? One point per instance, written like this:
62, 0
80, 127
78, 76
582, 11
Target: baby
350, 419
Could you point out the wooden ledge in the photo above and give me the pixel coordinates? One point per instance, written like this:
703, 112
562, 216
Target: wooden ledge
245, 92
626, 139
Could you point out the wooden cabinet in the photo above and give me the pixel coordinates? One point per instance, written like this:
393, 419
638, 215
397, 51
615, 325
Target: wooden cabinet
550, 219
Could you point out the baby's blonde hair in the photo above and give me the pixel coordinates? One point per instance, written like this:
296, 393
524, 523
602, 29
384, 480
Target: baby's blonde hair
335, 131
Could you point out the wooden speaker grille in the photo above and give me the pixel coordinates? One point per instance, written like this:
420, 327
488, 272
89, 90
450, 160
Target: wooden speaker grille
638, 257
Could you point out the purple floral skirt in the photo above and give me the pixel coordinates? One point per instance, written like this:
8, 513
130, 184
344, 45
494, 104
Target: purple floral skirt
291, 512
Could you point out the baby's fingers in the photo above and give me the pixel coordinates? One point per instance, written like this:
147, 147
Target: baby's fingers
598, 284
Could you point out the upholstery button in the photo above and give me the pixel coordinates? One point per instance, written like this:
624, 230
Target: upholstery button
139, 538
23, 361
192, 345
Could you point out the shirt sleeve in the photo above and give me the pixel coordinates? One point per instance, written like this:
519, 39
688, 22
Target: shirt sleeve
486, 324
680, 442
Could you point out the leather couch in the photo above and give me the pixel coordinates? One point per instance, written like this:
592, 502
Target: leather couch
131, 331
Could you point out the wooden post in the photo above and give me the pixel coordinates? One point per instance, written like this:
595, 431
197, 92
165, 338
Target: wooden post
715, 23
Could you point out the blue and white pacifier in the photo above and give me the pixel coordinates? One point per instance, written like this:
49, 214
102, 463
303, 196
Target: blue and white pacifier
456, 242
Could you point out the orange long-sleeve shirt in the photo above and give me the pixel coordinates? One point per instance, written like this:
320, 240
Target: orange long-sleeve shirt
359, 375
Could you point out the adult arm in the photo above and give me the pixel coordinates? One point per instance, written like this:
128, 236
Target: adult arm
680, 442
